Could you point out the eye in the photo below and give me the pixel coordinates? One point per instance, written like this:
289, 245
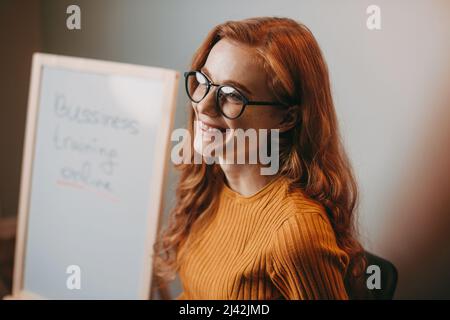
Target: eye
230, 95
201, 79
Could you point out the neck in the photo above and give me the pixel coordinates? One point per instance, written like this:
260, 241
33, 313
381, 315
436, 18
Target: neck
246, 179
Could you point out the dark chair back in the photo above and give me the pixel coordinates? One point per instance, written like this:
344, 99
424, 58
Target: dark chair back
358, 289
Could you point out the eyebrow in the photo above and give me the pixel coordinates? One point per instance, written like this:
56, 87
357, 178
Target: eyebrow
229, 82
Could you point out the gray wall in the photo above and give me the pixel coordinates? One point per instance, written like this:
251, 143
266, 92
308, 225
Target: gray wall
390, 87
20, 36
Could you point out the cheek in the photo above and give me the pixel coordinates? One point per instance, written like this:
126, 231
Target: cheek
258, 118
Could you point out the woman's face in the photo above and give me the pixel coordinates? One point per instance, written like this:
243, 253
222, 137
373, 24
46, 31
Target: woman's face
236, 65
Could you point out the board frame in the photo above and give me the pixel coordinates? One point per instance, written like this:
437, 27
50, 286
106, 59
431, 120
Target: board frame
162, 152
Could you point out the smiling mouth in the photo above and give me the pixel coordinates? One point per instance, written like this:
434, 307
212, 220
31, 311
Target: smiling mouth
210, 129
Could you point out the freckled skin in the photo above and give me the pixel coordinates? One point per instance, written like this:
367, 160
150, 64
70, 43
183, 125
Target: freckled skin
232, 61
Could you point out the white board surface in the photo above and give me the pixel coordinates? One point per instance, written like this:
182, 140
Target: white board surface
92, 179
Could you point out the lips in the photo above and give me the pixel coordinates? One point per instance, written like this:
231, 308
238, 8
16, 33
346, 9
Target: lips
208, 127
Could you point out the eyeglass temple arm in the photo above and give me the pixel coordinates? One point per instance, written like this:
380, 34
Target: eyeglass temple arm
263, 103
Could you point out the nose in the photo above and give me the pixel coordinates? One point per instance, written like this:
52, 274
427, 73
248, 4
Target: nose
208, 104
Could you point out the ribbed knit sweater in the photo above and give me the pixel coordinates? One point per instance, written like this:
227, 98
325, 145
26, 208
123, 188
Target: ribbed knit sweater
271, 245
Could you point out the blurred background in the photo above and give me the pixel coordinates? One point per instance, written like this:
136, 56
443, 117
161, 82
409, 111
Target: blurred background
391, 90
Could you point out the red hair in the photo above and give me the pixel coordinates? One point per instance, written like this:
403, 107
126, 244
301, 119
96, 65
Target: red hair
311, 153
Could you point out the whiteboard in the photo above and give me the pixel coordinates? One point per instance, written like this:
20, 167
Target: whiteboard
93, 172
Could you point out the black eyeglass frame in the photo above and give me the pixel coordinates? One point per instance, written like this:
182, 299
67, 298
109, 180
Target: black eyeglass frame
245, 100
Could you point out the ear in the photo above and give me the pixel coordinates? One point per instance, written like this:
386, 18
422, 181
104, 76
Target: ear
290, 118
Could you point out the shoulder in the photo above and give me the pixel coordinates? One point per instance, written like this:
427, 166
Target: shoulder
297, 207
305, 231
304, 259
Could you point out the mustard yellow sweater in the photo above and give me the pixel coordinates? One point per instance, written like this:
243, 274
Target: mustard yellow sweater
271, 245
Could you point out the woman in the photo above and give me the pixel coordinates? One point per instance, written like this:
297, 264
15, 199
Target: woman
234, 232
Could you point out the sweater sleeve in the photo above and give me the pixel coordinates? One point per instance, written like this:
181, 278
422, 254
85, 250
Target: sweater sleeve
305, 261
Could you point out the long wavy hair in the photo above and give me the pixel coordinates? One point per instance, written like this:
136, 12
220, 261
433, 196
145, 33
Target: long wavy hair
312, 156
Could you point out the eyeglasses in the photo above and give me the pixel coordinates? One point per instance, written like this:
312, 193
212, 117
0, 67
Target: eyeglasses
230, 102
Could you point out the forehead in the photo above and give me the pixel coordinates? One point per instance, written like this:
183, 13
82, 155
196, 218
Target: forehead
229, 60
